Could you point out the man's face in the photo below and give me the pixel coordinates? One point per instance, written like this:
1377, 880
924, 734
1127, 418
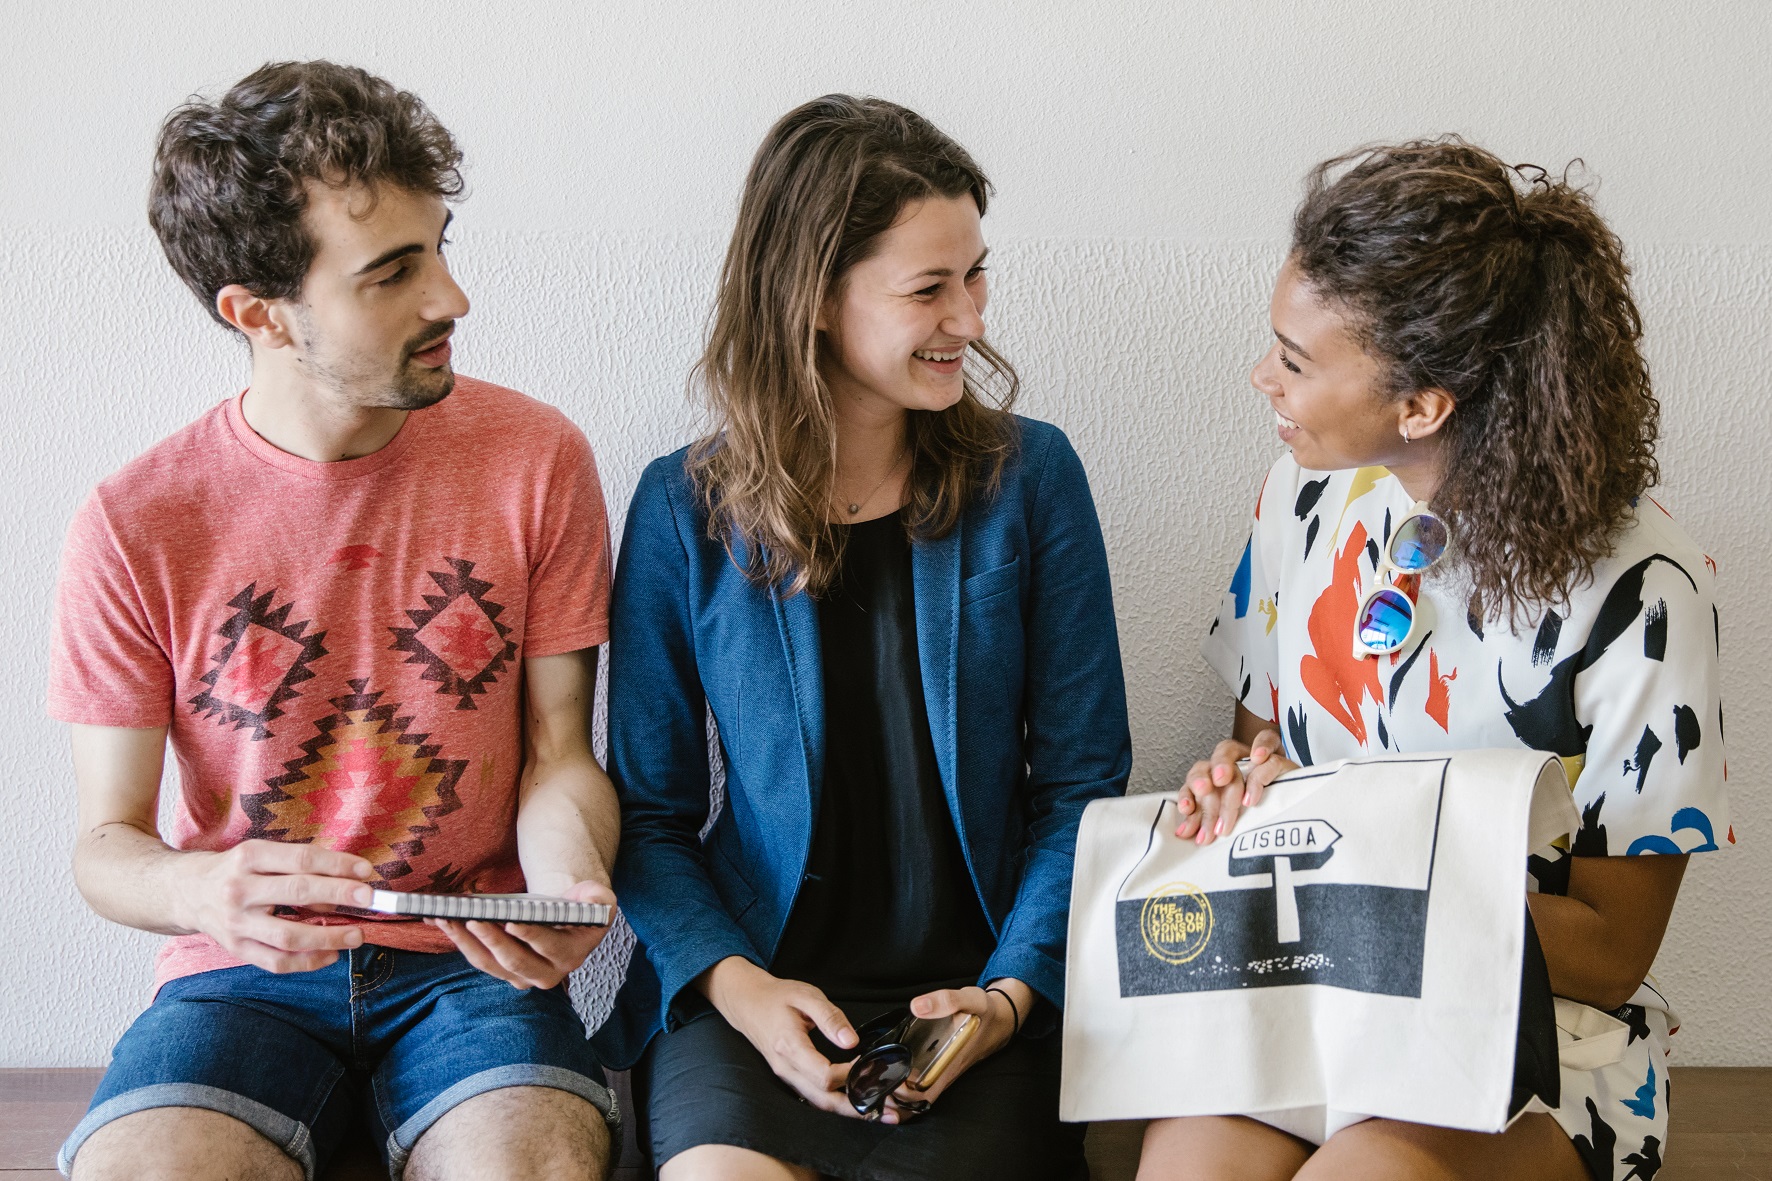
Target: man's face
378, 305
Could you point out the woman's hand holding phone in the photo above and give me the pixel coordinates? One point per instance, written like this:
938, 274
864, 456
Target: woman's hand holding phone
997, 1023
777, 1017
1217, 789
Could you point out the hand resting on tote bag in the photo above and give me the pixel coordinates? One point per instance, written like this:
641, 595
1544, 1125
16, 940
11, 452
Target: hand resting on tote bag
1353, 949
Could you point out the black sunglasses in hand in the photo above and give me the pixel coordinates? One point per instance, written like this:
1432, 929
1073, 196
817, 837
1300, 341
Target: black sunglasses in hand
898, 1049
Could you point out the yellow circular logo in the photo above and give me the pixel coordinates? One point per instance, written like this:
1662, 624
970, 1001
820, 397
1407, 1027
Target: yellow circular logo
1176, 922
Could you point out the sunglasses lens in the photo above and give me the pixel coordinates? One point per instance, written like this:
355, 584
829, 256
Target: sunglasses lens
1419, 543
876, 1075
887, 1027
1384, 621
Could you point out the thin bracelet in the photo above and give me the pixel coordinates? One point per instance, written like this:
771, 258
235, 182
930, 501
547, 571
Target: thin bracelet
1014, 1008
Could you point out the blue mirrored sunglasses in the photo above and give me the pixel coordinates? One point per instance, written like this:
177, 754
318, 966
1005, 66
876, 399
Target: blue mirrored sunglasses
1386, 616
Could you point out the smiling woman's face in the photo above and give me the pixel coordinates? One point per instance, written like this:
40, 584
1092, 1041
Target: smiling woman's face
897, 331
1326, 390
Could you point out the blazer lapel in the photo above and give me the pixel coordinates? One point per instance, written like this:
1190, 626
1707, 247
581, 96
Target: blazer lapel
797, 620
935, 576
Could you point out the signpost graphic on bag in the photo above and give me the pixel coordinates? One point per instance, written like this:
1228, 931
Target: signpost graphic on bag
1353, 948
1306, 899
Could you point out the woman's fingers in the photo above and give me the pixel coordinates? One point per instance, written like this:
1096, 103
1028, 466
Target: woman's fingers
1267, 762
945, 1002
816, 1078
1216, 791
828, 1017
1194, 788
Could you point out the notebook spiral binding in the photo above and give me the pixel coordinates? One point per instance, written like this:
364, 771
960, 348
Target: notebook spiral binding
493, 908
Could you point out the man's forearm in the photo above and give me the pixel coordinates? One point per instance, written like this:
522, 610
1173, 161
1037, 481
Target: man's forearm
132, 877
568, 824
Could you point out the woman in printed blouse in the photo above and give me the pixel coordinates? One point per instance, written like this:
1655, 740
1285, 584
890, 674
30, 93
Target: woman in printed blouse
892, 597
1457, 335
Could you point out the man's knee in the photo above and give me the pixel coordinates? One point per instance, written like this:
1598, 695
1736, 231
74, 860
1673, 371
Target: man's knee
181, 1144
530, 1132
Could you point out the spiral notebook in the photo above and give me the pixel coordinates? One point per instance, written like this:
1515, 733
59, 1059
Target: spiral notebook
493, 908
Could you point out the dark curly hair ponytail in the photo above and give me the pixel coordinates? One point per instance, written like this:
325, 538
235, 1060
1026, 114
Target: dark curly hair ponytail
1502, 286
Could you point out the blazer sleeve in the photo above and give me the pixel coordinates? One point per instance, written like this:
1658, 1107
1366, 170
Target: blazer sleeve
658, 747
1078, 745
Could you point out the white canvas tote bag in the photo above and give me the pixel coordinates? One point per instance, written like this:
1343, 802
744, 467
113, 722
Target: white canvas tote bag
1352, 949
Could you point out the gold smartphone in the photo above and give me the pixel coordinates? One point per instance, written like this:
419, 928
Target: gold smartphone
934, 1043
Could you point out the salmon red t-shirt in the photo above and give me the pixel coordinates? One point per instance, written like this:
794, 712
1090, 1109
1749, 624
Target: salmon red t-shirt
337, 648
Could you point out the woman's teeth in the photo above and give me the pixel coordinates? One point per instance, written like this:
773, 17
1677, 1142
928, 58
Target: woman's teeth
932, 355
1284, 421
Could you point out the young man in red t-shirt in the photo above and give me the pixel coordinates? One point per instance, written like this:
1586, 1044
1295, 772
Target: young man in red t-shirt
363, 600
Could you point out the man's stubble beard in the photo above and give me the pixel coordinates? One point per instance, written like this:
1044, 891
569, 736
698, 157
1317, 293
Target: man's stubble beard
417, 391
410, 388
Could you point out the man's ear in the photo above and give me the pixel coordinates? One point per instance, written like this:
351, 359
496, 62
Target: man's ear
1424, 412
264, 322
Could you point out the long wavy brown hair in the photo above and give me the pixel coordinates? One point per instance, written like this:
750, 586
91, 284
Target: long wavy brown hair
1502, 286
831, 176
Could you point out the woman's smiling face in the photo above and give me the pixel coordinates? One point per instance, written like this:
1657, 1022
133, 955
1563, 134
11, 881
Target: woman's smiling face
1327, 392
897, 330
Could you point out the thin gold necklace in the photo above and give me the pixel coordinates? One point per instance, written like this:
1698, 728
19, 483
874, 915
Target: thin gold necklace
855, 506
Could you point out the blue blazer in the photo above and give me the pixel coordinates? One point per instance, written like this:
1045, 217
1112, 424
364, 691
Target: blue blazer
1021, 678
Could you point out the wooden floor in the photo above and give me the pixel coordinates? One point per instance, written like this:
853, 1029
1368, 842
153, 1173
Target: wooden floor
1722, 1129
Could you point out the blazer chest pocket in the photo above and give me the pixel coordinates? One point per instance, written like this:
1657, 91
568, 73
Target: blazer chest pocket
990, 582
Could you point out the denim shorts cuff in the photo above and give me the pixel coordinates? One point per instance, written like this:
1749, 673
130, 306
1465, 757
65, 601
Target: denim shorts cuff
401, 1141
287, 1134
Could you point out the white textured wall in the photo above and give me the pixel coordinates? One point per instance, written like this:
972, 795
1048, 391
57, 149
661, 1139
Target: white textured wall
1146, 157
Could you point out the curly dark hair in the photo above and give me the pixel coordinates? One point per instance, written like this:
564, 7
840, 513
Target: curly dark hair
1502, 286
231, 176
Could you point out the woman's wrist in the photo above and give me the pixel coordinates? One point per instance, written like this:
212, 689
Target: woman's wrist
719, 982
1014, 1009
1013, 999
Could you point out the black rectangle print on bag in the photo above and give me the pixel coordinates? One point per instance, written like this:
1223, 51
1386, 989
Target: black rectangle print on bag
1326, 896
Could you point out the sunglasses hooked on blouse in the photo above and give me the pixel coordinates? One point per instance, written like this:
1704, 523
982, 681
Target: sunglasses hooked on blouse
1388, 613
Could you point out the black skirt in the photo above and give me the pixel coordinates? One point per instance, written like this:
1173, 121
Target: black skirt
703, 1083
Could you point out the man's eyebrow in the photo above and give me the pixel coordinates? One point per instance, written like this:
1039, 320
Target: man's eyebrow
1292, 345
945, 272
387, 256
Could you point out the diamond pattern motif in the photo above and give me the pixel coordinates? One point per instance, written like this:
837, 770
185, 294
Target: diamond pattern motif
457, 636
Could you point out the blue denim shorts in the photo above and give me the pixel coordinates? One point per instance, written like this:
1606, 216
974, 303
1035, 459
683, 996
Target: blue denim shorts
395, 1038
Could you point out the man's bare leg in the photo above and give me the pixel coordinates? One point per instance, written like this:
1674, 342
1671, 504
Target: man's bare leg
181, 1144
724, 1162
535, 1133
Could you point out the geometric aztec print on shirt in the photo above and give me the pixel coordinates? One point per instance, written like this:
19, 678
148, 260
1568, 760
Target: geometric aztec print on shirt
257, 670
458, 637
364, 783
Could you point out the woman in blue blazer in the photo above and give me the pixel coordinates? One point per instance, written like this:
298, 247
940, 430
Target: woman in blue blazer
892, 599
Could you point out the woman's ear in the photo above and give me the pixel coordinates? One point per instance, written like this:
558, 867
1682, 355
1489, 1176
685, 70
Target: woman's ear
1424, 412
